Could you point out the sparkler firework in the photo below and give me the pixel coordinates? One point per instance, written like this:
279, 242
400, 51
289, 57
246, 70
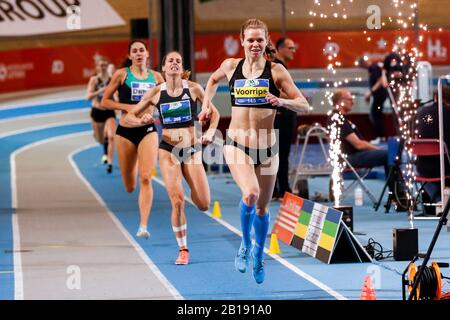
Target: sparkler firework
403, 16
336, 155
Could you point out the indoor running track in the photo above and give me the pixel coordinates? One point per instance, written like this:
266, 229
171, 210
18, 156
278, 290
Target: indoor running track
67, 229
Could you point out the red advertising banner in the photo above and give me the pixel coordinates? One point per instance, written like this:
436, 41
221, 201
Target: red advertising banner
53, 67
73, 65
315, 47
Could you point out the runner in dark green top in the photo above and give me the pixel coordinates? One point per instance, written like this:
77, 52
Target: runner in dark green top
137, 148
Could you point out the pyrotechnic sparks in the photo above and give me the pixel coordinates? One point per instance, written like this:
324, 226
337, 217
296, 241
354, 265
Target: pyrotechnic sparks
331, 53
404, 16
334, 130
403, 85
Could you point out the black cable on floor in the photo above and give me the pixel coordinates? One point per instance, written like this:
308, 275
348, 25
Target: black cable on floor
376, 251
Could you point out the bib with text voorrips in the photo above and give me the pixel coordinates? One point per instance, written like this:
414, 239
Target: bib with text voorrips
251, 92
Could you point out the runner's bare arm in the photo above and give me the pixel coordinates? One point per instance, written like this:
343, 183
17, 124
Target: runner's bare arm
211, 113
108, 101
142, 113
213, 82
295, 100
91, 92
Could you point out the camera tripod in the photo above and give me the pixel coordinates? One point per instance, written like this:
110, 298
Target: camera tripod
393, 180
395, 177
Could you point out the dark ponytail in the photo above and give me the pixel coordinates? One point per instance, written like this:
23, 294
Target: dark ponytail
126, 63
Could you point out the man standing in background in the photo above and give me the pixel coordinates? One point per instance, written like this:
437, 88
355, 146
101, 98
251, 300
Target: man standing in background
379, 94
285, 122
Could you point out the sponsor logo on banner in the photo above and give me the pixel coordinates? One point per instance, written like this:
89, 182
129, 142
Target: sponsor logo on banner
138, 89
375, 56
15, 71
201, 55
331, 48
382, 44
57, 67
436, 51
3, 72
32, 17
231, 46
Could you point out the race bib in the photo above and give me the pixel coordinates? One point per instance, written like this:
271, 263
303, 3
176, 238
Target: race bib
138, 89
101, 86
250, 92
176, 112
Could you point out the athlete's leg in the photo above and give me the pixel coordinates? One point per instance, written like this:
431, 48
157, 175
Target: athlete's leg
109, 133
266, 174
172, 175
147, 157
127, 155
243, 174
195, 175
98, 129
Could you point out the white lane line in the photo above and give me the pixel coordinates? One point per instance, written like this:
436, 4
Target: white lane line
281, 260
45, 126
124, 231
44, 114
17, 257
17, 260
40, 104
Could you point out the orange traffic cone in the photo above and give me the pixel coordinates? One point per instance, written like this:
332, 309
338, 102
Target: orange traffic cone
368, 292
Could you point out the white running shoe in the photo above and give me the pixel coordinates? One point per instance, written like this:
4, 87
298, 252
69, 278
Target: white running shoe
104, 159
143, 232
376, 141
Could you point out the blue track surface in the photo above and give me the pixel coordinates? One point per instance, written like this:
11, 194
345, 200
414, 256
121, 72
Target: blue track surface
44, 108
211, 273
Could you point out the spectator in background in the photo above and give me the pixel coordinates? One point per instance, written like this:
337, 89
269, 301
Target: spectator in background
397, 63
428, 128
285, 122
360, 153
379, 94
398, 69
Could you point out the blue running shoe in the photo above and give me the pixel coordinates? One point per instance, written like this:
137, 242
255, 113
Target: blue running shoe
258, 270
242, 260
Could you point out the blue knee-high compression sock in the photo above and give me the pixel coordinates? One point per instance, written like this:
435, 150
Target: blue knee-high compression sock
247, 217
261, 225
